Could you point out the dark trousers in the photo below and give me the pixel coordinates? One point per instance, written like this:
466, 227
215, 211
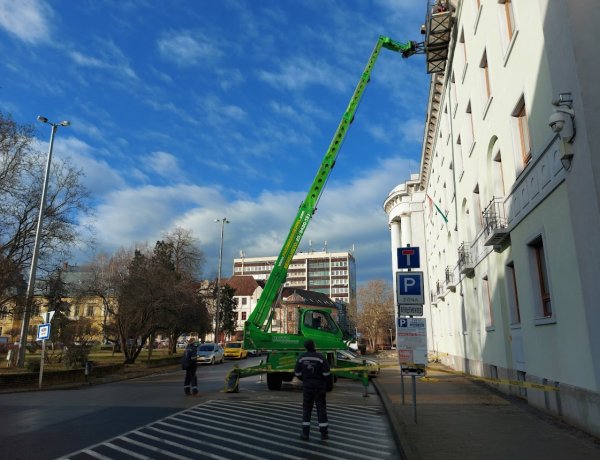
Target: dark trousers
190, 384
314, 396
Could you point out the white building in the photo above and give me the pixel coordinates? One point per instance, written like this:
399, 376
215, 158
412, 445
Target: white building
513, 274
330, 273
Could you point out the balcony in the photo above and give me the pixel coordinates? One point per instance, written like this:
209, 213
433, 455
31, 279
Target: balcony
496, 232
439, 290
433, 297
437, 32
450, 281
466, 266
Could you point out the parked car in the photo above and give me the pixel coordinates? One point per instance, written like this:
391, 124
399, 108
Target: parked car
235, 350
254, 352
210, 353
346, 356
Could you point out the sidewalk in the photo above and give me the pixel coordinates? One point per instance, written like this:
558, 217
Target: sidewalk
458, 418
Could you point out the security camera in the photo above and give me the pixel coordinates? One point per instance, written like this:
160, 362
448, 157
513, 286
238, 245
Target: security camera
557, 121
562, 123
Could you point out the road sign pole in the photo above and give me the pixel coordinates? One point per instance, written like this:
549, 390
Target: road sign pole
42, 362
414, 392
402, 384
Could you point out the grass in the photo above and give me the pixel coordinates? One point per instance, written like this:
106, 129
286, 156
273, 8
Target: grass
98, 356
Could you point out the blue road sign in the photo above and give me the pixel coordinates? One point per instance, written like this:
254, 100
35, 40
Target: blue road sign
409, 288
408, 257
43, 331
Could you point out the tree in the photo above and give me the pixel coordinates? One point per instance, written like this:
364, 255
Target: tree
227, 310
153, 297
21, 176
376, 315
187, 256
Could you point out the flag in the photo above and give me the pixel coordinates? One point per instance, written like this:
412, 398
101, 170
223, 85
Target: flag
433, 205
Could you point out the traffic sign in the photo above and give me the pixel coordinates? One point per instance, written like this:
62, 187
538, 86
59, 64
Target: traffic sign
409, 288
43, 332
411, 342
408, 257
47, 317
410, 310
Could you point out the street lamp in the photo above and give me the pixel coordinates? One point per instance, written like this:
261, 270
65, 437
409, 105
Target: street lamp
36, 244
218, 307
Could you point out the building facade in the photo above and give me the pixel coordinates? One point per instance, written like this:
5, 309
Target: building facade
507, 202
332, 274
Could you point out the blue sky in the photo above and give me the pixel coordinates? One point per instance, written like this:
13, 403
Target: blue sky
187, 111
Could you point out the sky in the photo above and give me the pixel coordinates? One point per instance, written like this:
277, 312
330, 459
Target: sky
183, 112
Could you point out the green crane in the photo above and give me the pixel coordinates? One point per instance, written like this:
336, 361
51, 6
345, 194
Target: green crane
283, 348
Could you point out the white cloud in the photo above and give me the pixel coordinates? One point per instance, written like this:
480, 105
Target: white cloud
28, 20
300, 72
413, 130
114, 62
164, 164
349, 214
187, 48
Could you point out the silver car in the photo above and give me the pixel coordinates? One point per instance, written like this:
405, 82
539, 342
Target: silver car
210, 353
347, 355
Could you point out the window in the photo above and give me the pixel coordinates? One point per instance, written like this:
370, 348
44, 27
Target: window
89, 310
486, 88
453, 94
513, 295
463, 52
522, 137
244, 300
243, 316
76, 313
499, 189
459, 158
476, 205
509, 18
540, 268
487, 303
508, 25
469, 132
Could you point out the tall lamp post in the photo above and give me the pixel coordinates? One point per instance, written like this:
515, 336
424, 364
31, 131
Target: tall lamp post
218, 307
36, 245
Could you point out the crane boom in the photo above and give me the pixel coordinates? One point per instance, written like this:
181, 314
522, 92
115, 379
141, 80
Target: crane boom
259, 316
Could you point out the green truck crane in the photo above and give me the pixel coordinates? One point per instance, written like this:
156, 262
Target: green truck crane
284, 348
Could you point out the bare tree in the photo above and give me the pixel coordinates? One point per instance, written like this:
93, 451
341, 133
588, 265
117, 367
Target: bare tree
376, 315
187, 256
21, 177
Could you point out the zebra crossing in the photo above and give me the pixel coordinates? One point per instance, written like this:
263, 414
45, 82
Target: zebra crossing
253, 430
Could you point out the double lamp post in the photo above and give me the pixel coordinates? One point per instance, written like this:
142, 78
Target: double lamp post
36, 245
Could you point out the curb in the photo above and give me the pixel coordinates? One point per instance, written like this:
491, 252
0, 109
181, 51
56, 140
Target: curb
398, 431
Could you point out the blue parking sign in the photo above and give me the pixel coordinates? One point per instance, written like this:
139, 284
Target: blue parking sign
409, 288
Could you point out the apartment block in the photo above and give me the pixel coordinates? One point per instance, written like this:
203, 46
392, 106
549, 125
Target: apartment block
329, 273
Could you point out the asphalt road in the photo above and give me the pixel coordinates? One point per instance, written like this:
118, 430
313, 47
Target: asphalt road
151, 417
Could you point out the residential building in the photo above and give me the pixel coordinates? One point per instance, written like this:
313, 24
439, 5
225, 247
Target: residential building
506, 205
330, 273
285, 317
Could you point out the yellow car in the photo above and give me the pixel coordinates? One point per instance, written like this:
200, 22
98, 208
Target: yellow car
235, 350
